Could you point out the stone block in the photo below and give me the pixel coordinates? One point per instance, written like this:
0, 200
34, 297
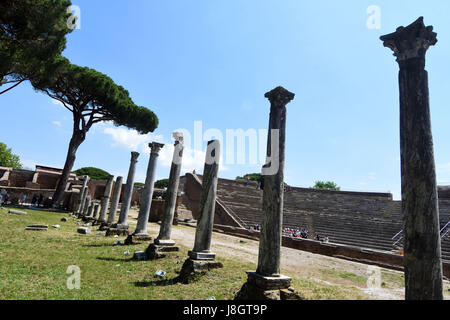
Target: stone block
268, 283
251, 292
193, 269
155, 251
36, 228
209, 256
137, 238
140, 255
117, 232
20, 213
84, 230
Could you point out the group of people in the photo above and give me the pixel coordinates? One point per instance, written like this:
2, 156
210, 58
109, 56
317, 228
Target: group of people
296, 233
5, 199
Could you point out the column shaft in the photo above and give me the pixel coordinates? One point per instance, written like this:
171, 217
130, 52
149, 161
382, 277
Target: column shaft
272, 220
115, 200
207, 207
147, 196
128, 193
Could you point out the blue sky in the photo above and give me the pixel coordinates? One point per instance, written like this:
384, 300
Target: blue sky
213, 61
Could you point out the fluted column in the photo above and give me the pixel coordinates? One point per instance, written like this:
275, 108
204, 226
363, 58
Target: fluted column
115, 201
105, 199
128, 192
147, 195
422, 243
172, 191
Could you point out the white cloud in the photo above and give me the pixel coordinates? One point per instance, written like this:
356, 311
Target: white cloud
130, 139
57, 123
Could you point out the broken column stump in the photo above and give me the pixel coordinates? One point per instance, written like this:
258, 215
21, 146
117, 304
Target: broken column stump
192, 269
160, 249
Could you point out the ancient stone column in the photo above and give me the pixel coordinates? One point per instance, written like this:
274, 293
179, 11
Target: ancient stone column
172, 192
128, 193
422, 243
105, 199
83, 194
158, 249
267, 276
87, 203
90, 213
96, 211
115, 201
201, 259
203, 234
147, 195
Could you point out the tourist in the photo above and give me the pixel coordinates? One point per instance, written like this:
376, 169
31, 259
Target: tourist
24, 198
261, 182
248, 180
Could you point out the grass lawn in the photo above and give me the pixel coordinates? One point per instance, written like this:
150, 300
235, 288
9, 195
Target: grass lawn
33, 265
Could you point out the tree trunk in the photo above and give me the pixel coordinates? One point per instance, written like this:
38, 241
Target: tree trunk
77, 138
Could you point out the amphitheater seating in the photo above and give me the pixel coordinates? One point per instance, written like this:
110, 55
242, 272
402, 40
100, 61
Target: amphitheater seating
368, 220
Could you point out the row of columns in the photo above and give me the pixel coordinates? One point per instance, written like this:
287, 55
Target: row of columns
422, 252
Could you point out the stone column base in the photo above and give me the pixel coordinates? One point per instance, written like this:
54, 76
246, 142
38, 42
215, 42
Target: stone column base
116, 231
98, 223
204, 256
137, 238
260, 287
193, 269
155, 251
252, 292
104, 226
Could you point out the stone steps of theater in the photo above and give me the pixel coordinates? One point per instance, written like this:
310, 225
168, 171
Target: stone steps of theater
350, 236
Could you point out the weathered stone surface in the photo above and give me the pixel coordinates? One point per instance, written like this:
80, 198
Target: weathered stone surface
201, 255
20, 213
128, 192
137, 238
273, 194
84, 230
36, 228
165, 230
203, 233
422, 243
286, 294
146, 198
105, 199
115, 201
251, 292
155, 251
268, 283
139, 255
117, 232
193, 269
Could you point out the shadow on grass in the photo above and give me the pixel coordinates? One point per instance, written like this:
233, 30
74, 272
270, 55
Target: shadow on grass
97, 245
157, 283
116, 259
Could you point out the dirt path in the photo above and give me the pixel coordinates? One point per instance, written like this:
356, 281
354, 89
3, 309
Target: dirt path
322, 269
